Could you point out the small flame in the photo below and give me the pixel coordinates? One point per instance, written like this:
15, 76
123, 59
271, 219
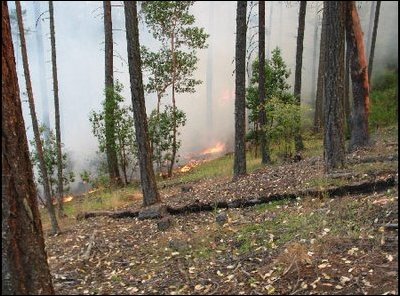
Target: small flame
218, 148
190, 165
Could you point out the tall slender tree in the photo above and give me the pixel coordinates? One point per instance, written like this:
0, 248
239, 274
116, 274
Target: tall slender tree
297, 77
57, 112
47, 192
147, 178
239, 165
359, 78
24, 268
314, 59
112, 160
261, 80
374, 33
334, 148
319, 100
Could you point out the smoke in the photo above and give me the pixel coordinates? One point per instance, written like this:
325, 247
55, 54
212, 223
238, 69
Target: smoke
80, 61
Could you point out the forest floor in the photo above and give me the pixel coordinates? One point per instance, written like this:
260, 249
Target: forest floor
310, 245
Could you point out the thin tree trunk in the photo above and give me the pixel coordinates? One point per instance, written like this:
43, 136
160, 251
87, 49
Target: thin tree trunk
47, 191
239, 166
261, 82
375, 32
57, 113
174, 148
24, 268
359, 78
297, 80
370, 26
148, 181
334, 149
112, 159
347, 91
319, 100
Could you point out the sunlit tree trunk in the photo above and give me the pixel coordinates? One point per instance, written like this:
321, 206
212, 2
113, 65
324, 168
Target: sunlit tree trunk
24, 268
47, 191
261, 82
147, 178
297, 79
112, 159
374, 33
239, 166
319, 100
57, 112
334, 148
359, 78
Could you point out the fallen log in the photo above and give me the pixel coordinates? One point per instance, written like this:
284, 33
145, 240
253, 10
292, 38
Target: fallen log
371, 159
351, 189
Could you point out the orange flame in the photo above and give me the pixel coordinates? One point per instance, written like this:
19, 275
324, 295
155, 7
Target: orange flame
218, 148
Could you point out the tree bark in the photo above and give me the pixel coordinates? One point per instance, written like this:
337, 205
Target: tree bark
148, 181
374, 33
239, 166
57, 113
334, 148
47, 191
347, 91
112, 159
261, 82
359, 78
319, 100
297, 80
314, 65
24, 262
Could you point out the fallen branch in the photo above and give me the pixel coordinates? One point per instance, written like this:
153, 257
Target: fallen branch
91, 242
352, 189
384, 158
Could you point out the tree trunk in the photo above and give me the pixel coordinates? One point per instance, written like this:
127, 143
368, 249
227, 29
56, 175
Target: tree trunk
57, 113
319, 100
24, 262
42, 68
347, 91
239, 166
297, 80
174, 148
148, 181
370, 26
372, 51
112, 159
47, 191
359, 78
261, 82
334, 150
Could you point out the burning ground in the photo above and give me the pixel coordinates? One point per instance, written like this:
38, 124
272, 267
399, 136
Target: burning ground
311, 245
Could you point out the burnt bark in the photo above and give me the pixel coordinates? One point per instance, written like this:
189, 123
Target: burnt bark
334, 148
297, 77
261, 81
112, 160
47, 191
239, 166
147, 178
24, 262
373, 41
347, 108
57, 112
359, 78
319, 100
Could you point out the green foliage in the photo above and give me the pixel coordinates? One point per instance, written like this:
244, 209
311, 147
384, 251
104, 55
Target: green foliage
280, 107
383, 100
85, 176
161, 127
124, 131
49, 145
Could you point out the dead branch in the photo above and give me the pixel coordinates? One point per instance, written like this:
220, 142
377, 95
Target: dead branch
86, 255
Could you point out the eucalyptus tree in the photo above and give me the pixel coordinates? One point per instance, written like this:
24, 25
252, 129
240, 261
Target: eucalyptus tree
172, 24
147, 177
47, 191
24, 268
239, 164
